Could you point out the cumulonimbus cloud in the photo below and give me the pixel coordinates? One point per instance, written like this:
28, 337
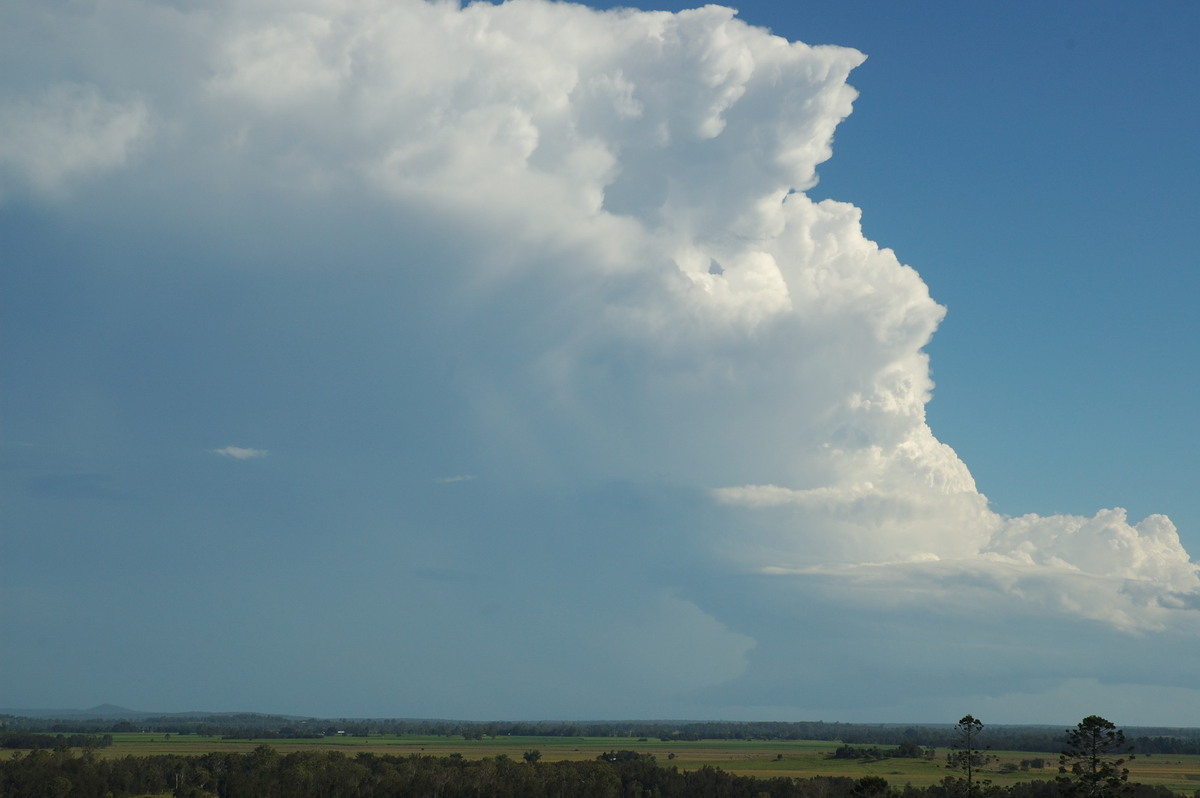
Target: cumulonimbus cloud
660, 298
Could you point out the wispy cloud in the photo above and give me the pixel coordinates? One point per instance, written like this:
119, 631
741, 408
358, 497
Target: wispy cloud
240, 452
455, 478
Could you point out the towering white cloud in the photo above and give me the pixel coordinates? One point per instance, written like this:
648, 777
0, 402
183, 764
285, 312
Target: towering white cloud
628, 280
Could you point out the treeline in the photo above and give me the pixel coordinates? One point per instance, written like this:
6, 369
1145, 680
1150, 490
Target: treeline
906, 750
1166, 745
1037, 739
253, 726
24, 739
265, 773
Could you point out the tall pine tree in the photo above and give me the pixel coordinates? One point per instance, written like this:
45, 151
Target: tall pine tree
1096, 751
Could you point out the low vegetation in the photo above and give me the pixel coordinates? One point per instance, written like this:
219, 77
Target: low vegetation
1094, 762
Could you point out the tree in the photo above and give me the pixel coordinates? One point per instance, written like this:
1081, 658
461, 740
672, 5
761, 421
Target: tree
968, 756
532, 756
1095, 752
870, 787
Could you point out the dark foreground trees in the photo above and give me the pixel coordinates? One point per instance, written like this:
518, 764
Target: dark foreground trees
266, 773
1094, 758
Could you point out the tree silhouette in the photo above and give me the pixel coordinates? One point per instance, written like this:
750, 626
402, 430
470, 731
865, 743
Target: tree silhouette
1095, 753
967, 755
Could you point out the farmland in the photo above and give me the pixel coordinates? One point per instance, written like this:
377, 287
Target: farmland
759, 758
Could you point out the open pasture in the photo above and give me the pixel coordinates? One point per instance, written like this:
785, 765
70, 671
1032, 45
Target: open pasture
762, 758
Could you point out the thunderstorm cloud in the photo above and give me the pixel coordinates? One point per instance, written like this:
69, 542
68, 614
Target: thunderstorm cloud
572, 252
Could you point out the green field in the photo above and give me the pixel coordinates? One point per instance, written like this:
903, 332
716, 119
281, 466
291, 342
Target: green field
760, 758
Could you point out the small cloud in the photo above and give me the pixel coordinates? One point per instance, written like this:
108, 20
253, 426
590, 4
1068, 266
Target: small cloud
240, 452
456, 478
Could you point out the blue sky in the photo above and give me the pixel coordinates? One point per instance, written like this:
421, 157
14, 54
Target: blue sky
532, 361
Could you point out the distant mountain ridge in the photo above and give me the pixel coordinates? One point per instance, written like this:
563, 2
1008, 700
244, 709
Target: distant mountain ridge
114, 712
102, 712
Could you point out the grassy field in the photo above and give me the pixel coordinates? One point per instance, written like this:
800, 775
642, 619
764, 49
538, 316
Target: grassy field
802, 758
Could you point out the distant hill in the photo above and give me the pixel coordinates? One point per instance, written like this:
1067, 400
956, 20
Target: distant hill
107, 712
102, 712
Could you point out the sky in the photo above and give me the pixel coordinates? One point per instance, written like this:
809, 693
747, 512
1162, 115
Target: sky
810, 361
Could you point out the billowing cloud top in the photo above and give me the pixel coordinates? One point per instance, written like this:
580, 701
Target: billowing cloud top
599, 222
